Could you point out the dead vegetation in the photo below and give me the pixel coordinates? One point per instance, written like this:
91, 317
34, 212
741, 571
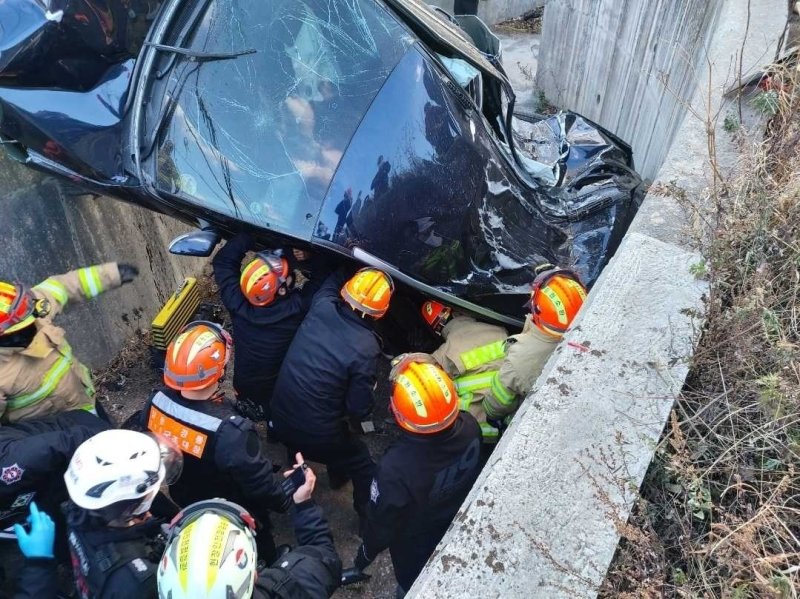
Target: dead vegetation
530, 22
719, 512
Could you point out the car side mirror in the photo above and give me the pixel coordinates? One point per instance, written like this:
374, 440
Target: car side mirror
197, 243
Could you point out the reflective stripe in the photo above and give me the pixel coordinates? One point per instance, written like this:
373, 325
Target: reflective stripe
50, 381
87, 382
192, 417
500, 391
464, 401
90, 281
483, 354
190, 378
56, 289
470, 383
488, 431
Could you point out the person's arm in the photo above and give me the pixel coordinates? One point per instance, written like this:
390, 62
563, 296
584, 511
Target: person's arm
241, 453
360, 397
314, 564
389, 501
38, 578
83, 283
227, 263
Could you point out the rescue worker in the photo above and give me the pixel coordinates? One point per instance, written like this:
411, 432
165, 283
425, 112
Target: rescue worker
424, 477
38, 577
223, 452
328, 378
493, 372
33, 457
39, 375
310, 571
114, 541
266, 309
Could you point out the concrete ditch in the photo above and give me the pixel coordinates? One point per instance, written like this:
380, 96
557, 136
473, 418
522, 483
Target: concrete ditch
543, 518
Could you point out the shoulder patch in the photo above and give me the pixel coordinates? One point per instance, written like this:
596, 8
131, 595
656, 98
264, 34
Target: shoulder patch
12, 474
374, 492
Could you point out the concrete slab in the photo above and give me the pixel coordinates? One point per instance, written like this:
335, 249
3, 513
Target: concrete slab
520, 61
541, 520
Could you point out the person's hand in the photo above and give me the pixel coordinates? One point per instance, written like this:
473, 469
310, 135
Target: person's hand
127, 272
301, 255
39, 541
305, 490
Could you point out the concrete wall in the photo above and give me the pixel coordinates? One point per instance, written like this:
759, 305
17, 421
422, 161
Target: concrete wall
45, 233
494, 11
629, 65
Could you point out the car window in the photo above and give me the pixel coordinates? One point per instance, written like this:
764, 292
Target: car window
259, 137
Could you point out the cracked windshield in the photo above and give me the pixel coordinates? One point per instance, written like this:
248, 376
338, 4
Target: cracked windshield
259, 136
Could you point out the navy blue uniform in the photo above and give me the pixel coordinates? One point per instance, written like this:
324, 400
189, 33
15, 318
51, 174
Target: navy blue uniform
312, 570
113, 563
421, 482
263, 334
327, 377
223, 457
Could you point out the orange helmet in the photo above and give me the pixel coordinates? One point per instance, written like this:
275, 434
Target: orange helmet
261, 280
17, 308
197, 357
369, 292
556, 297
424, 399
436, 315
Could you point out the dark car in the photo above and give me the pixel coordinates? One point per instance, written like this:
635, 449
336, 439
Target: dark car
373, 129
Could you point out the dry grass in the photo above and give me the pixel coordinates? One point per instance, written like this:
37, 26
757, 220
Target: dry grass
719, 513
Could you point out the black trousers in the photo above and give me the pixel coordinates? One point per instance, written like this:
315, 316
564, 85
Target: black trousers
344, 454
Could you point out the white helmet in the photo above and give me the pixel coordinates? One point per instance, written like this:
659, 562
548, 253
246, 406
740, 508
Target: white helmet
210, 554
117, 473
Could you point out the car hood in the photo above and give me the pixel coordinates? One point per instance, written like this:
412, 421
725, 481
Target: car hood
425, 188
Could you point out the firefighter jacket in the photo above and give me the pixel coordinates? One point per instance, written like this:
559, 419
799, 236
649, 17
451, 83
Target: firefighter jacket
491, 371
420, 484
113, 563
312, 570
45, 377
330, 369
262, 333
222, 453
34, 455
38, 579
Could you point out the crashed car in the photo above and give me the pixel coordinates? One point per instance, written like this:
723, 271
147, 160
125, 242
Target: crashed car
378, 130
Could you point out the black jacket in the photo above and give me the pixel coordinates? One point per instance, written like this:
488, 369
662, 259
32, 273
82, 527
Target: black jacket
313, 570
421, 482
113, 563
34, 455
262, 334
329, 371
233, 463
38, 579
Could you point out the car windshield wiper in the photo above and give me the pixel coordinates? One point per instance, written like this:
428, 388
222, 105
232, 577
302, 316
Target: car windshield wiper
195, 56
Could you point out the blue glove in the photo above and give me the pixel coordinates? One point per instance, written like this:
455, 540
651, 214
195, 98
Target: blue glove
39, 541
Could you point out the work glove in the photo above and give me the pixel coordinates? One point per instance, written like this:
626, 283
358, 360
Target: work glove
127, 272
402, 361
39, 541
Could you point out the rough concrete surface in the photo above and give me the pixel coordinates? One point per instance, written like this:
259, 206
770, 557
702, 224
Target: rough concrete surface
540, 521
494, 11
45, 232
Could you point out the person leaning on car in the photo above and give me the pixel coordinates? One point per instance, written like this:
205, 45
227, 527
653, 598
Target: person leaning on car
266, 306
328, 377
39, 375
492, 371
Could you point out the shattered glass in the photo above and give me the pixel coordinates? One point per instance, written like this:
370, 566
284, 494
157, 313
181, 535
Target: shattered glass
260, 137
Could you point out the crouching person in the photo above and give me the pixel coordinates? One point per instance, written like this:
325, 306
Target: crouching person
212, 553
423, 477
115, 543
223, 452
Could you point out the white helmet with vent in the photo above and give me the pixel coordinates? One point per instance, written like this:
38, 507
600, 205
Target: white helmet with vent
117, 473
